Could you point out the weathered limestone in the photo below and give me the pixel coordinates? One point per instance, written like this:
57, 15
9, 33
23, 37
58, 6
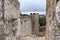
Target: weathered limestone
11, 9
30, 25
26, 27
9, 19
52, 31
2, 34
31, 38
35, 23
50, 13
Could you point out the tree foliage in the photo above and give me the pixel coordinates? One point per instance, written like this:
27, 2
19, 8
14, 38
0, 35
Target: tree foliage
24, 14
42, 21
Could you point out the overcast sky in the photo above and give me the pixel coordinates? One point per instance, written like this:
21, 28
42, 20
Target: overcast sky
33, 6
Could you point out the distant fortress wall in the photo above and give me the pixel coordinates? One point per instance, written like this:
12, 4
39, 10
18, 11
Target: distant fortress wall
30, 24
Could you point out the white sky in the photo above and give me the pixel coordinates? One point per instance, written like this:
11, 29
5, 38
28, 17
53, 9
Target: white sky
33, 6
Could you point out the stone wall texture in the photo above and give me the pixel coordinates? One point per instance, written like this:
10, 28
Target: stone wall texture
30, 25
35, 23
26, 27
52, 31
9, 19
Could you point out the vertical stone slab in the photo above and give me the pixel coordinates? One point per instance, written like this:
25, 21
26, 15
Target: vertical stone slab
9, 19
50, 19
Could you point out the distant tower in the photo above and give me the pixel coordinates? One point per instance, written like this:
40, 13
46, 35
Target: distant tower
35, 23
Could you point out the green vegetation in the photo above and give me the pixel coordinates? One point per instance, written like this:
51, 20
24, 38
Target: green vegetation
24, 14
42, 20
58, 26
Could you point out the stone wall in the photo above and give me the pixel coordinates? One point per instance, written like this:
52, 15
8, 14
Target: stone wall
26, 27
9, 19
52, 31
50, 13
30, 25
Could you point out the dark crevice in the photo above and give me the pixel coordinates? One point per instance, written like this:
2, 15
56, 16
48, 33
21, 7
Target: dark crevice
2, 6
57, 1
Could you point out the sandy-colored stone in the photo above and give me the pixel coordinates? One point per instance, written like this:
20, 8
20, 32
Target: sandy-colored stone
31, 38
9, 19
52, 31
35, 23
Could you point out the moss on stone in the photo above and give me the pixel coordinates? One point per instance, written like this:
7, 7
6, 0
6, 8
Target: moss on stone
58, 26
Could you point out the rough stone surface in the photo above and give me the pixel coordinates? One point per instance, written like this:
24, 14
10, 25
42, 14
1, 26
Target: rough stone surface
52, 31
11, 9
30, 25
9, 19
26, 27
50, 13
35, 23
32, 38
